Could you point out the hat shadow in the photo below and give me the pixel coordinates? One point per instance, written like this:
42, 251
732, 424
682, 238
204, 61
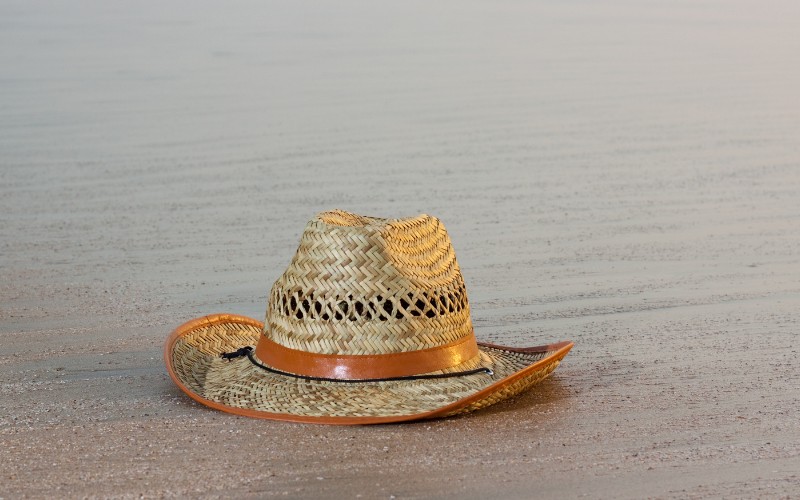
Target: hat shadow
544, 395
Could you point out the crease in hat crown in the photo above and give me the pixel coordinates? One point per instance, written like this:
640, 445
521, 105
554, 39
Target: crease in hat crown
362, 285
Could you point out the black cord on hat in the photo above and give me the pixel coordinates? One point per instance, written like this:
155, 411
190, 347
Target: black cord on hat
248, 351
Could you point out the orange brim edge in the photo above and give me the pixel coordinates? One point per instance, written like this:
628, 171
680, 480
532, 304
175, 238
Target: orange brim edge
561, 350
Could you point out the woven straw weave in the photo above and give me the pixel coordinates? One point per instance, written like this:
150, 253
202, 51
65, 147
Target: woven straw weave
240, 384
364, 285
356, 286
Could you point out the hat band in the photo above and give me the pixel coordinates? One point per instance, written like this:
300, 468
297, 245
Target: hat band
366, 366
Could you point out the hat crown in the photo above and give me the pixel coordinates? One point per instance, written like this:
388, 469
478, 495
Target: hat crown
366, 285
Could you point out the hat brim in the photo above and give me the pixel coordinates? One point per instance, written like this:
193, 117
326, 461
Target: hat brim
192, 355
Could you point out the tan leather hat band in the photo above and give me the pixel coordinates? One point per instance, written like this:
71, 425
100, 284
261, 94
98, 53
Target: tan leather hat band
353, 367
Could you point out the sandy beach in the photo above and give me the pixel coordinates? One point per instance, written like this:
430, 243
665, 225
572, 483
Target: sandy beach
625, 176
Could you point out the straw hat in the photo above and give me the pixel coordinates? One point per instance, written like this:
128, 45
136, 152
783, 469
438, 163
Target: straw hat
369, 324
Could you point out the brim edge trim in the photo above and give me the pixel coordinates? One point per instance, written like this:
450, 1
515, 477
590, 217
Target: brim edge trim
561, 350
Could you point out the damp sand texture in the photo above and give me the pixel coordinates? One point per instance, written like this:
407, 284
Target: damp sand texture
624, 176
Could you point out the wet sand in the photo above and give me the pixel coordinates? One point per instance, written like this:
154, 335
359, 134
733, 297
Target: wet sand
623, 176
